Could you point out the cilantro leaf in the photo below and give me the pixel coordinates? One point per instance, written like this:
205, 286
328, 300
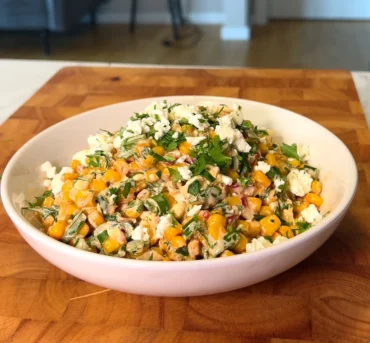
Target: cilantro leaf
175, 175
290, 150
183, 251
194, 188
245, 181
216, 154
199, 165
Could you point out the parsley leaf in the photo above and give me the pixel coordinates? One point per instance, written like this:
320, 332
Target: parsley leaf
194, 188
199, 165
217, 155
208, 176
175, 175
183, 251
39, 200
273, 172
290, 150
172, 107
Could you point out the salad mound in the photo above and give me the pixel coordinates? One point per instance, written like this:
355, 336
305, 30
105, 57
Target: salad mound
180, 182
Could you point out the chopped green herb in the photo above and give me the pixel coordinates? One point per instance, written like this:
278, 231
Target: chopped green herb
183, 251
245, 181
208, 176
269, 238
216, 154
172, 107
108, 132
194, 188
175, 175
200, 164
290, 150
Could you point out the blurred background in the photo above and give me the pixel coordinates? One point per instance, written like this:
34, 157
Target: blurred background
255, 33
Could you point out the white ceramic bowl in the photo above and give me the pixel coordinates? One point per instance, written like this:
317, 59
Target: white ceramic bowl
22, 176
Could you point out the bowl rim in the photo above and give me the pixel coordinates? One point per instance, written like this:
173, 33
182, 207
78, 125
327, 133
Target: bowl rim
59, 247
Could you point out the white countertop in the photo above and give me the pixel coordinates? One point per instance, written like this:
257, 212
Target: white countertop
20, 79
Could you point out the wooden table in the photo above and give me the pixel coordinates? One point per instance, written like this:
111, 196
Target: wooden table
326, 298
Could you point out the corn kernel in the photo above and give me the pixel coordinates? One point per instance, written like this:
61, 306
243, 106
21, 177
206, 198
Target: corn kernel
227, 253
159, 150
216, 219
184, 147
316, 187
313, 198
110, 245
216, 230
269, 225
57, 230
254, 203
261, 178
271, 160
241, 245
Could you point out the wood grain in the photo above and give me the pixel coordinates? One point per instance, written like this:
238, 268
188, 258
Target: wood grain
326, 298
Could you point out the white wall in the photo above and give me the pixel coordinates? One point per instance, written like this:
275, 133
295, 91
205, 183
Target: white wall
156, 11
320, 9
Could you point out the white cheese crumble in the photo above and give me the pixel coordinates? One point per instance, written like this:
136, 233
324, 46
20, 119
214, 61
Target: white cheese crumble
226, 180
194, 210
195, 140
181, 159
57, 183
190, 113
263, 167
175, 135
303, 152
274, 205
311, 214
237, 114
140, 233
278, 182
225, 129
279, 239
81, 156
299, 182
261, 243
185, 172
48, 169
258, 244
164, 223
117, 142
101, 141
47, 183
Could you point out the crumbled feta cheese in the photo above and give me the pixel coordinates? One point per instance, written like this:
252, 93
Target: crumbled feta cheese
237, 114
190, 113
226, 131
278, 182
194, 210
311, 214
303, 152
181, 159
140, 233
57, 183
274, 205
101, 141
263, 167
279, 239
175, 135
48, 169
299, 182
47, 183
81, 244
164, 223
258, 244
185, 172
45, 166
226, 180
117, 142
81, 156
195, 140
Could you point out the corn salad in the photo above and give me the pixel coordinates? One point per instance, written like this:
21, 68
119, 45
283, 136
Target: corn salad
181, 182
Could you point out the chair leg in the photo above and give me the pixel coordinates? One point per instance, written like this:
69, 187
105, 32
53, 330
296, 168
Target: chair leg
133, 11
179, 12
45, 40
172, 8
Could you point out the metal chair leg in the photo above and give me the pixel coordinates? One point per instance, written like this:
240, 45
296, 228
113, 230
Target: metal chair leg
133, 11
45, 40
172, 7
179, 12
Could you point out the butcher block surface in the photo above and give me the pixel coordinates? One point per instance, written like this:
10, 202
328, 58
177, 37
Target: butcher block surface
326, 298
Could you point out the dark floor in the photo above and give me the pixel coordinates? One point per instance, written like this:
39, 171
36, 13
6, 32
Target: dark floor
280, 44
